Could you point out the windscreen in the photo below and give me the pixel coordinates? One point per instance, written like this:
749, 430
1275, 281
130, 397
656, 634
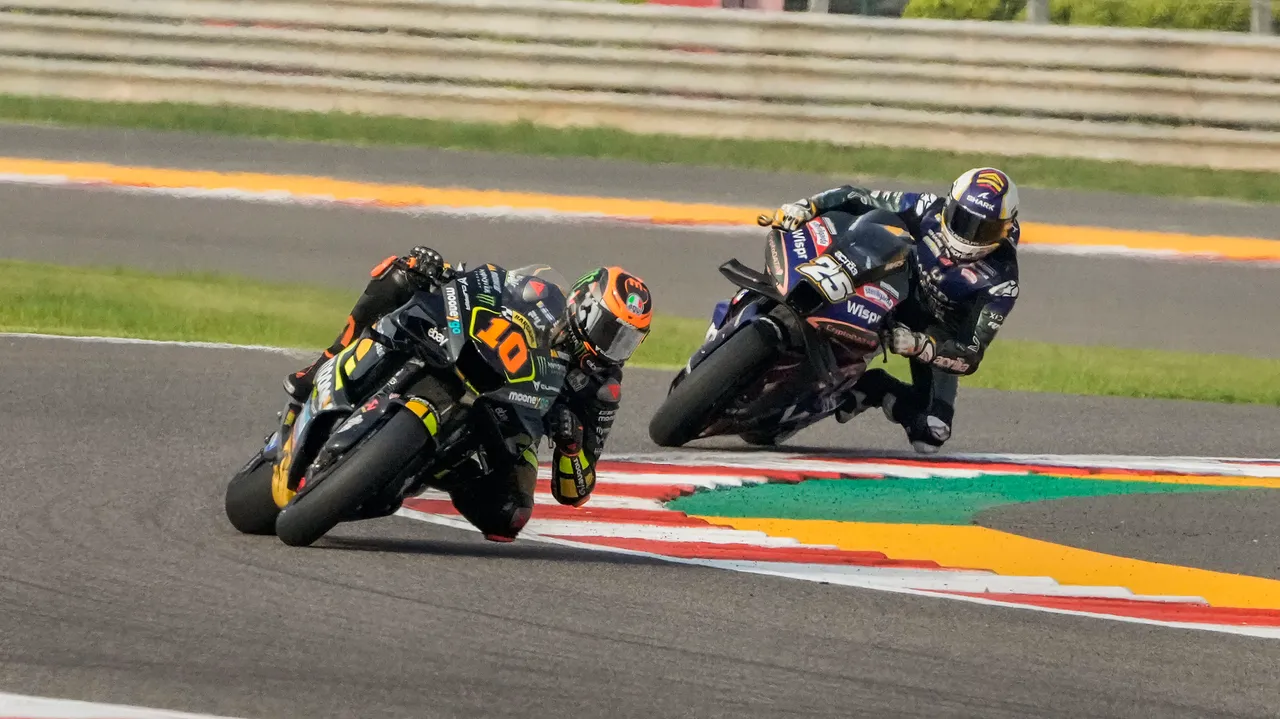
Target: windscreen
871, 245
537, 290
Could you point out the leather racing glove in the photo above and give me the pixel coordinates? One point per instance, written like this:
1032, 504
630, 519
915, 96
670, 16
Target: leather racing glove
790, 216
905, 342
572, 476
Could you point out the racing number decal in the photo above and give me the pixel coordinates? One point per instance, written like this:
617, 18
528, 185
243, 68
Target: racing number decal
505, 339
830, 277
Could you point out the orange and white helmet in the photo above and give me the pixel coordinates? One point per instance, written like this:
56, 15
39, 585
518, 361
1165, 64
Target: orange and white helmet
608, 312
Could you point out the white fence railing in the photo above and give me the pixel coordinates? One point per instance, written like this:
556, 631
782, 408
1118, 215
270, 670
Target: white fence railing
1194, 98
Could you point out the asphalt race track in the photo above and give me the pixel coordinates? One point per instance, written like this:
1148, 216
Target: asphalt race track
122, 581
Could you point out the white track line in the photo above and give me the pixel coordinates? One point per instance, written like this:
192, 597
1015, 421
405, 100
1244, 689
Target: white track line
28, 707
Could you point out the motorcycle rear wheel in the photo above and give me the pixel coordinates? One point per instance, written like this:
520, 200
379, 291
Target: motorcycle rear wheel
694, 401
357, 478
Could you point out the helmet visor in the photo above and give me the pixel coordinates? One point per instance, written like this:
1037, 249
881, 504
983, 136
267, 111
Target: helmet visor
611, 337
973, 229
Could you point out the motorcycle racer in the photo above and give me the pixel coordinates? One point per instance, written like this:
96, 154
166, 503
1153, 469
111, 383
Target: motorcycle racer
607, 316
964, 275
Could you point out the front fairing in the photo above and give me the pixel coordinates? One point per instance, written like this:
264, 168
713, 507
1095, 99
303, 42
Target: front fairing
330, 400
511, 321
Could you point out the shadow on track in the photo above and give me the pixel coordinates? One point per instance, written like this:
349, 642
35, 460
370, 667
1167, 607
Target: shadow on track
527, 549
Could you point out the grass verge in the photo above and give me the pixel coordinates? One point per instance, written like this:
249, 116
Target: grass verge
120, 302
129, 303
528, 139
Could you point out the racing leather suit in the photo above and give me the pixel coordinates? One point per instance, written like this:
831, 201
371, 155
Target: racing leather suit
578, 423
957, 305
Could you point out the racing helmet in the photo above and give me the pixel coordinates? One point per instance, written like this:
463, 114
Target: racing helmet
608, 313
979, 213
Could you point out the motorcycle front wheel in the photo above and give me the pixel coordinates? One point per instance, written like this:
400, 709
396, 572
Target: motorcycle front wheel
359, 475
249, 504
693, 403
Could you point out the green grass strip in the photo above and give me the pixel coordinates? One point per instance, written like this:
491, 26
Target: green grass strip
117, 302
529, 139
908, 501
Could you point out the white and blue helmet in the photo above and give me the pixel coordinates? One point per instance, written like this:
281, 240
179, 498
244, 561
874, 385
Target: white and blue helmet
979, 213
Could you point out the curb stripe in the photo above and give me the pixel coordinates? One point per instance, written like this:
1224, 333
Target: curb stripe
586, 513
1013, 555
661, 493
1151, 610
747, 552
305, 189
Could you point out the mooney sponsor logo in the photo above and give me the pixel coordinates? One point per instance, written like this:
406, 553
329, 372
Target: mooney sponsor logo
451, 309
526, 399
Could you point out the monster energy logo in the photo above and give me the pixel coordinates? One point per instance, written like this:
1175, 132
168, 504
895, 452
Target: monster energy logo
487, 300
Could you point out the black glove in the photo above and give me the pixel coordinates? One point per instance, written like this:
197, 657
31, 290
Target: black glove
565, 429
427, 262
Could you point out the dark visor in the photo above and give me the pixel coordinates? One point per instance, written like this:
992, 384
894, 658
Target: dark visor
972, 228
612, 337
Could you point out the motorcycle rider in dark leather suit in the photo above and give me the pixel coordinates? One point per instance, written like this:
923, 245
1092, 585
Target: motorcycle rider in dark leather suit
964, 275
607, 317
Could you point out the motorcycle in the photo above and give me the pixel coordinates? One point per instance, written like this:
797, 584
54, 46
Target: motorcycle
778, 355
452, 383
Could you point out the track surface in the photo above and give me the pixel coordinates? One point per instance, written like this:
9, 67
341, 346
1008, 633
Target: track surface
1119, 302
422, 166
123, 583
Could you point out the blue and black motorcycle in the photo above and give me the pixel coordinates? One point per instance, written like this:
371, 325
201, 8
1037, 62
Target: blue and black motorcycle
779, 355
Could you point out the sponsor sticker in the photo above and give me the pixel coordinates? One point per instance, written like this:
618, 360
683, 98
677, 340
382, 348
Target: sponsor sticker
799, 245
873, 293
980, 201
451, 309
863, 312
821, 237
526, 399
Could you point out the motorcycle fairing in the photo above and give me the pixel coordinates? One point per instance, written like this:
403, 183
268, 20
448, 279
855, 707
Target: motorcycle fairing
849, 316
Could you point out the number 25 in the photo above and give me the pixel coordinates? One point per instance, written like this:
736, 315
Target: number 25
834, 282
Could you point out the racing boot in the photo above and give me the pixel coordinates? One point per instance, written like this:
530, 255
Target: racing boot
928, 431
869, 391
298, 385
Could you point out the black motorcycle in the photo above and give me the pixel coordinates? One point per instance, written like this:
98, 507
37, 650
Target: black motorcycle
779, 354
451, 385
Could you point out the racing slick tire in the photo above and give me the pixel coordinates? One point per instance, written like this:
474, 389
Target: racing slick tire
693, 402
249, 504
357, 477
